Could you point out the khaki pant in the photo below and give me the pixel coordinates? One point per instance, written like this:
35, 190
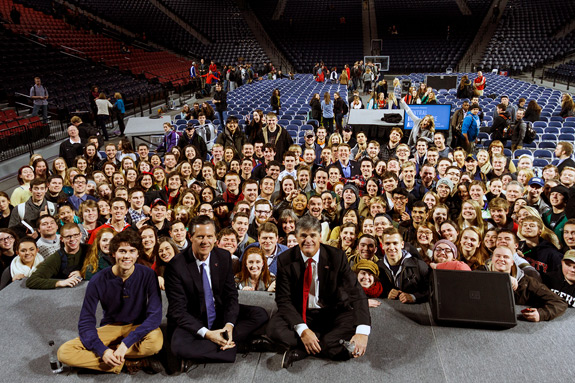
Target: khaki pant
73, 353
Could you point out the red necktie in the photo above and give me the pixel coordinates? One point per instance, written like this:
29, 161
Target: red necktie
307, 280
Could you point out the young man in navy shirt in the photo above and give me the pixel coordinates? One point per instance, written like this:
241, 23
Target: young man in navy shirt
132, 313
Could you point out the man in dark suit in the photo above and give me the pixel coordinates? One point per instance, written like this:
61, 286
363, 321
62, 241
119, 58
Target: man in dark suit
319, 299
348, 167
563, 151
205, 319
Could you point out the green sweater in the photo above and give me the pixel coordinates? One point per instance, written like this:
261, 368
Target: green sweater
50, 271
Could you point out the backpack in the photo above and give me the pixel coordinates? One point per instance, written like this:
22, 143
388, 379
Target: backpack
508, 130
530, 133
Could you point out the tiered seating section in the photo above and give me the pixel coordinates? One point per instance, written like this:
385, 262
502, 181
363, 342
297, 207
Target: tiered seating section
310, 31
67, 79
223, 23
165, 66
423, 42
524, 37
562, 73
16, 131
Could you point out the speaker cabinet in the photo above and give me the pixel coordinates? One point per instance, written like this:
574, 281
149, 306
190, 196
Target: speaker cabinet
472, 299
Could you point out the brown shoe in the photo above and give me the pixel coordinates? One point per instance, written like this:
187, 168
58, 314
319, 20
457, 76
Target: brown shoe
149, 365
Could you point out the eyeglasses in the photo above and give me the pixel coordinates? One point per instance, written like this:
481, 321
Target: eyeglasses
7, 239
71, 236
444, 251
261, 212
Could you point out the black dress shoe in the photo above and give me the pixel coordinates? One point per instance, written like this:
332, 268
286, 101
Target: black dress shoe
262, 344
188, 365
291, 356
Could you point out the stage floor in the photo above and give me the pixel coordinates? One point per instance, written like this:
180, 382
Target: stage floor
404, 347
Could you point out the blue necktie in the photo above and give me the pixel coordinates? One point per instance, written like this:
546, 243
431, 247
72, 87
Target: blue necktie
209, 297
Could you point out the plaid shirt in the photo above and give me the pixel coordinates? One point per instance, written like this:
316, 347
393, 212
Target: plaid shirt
136, 216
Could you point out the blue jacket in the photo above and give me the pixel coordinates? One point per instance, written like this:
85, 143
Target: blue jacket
470, 126
327, 109
273, 266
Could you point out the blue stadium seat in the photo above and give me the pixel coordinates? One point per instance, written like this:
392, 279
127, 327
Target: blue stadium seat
555, 124
557, 119
548, 137
540, 162
543, 153
552, 130
519, 152
540, 124
547, 145
567, 137
568, 129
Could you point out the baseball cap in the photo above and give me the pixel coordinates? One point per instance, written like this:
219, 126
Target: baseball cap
569, 255
471, 157
158, 201
536, 181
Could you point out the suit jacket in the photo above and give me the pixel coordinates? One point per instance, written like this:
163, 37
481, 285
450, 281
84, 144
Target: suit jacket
187, 308
354, 165
338, 285
567, 162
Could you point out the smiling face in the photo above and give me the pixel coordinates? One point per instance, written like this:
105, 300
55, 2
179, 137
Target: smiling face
448, 232
365, 278
468, 212
442, 253
308, 241
255, 265
126, 257
469, 241
27, 252
392, 247
166, 252
299, 203
203, 241
502, 260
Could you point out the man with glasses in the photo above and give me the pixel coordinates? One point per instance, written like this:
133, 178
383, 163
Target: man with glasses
400, 213
262, 213
61, 269
7, 252
79, 184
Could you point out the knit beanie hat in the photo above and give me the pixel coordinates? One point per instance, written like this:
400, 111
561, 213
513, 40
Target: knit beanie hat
448, 243
366, 264
447, 182
353, 188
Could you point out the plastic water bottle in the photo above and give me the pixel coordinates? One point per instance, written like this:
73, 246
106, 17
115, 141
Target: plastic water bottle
55, 364
349, 346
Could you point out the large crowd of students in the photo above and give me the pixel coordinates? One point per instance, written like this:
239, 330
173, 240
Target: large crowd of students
395, 210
